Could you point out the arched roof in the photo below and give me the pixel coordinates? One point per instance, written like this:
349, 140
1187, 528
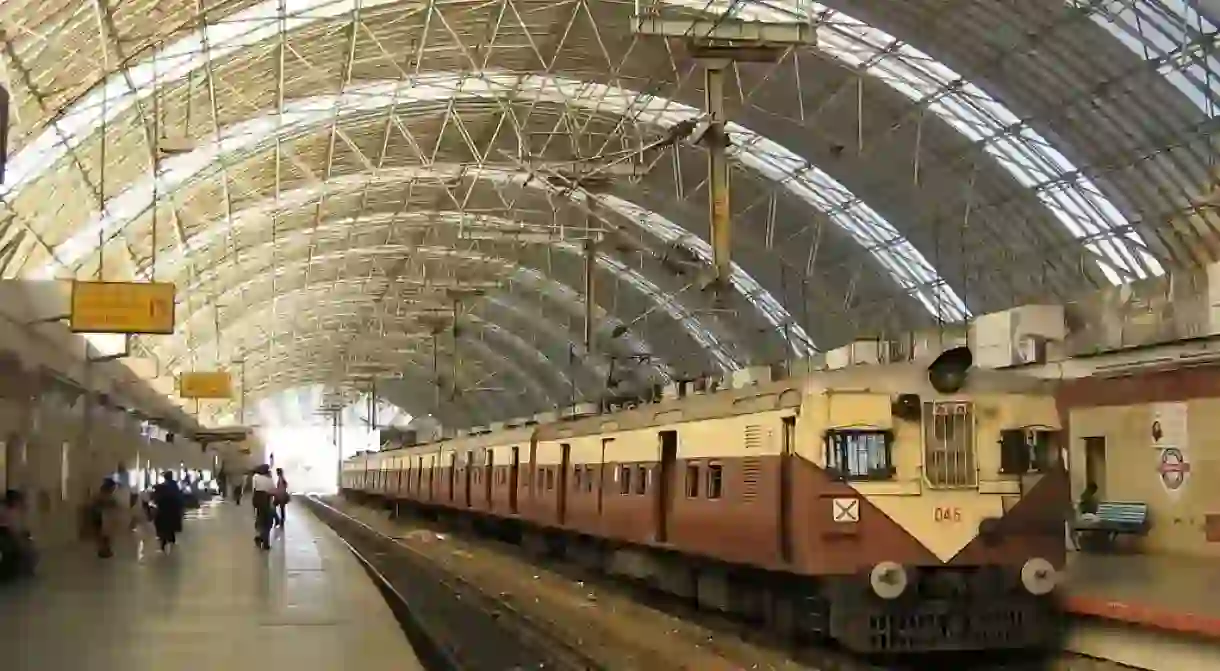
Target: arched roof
348, 160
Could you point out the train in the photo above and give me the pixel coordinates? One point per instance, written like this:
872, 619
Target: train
894, 508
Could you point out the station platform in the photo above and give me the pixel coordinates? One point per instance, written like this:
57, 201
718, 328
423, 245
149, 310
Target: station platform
1178, 594
1145, 611
215, 602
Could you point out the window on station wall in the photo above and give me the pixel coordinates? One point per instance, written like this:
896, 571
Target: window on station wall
624, 479
692, 480
715, 480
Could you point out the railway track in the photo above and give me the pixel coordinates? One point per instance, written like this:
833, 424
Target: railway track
704, 641
453, 624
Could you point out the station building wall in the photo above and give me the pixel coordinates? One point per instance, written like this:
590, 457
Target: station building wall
1111, 439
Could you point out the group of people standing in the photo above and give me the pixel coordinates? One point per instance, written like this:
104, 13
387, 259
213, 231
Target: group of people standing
164, 505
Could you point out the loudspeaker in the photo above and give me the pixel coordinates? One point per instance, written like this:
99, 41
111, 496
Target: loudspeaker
948, 373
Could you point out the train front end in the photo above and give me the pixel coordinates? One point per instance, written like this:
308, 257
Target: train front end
968, 496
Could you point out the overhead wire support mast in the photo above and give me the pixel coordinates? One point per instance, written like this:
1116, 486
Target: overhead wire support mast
719, 42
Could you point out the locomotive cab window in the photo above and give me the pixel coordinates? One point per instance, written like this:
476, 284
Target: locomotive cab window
1025, 451
860, 454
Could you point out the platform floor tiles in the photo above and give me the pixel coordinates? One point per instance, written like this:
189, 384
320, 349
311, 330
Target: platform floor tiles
1174, 593
215, 602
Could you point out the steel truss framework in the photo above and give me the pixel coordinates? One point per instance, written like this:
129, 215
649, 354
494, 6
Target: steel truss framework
322, 178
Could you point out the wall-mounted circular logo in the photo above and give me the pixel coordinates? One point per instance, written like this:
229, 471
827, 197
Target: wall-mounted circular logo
1173, 468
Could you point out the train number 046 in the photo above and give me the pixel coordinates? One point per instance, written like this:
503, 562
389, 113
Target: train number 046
948, 514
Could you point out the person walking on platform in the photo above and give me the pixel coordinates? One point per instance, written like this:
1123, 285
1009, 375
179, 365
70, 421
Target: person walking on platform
167, 518
104, 518
281, 496
262, 497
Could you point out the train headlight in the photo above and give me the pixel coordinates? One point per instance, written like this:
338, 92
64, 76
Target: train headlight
888, 580
1038, 576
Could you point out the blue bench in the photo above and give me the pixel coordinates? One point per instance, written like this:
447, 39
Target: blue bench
1114, 518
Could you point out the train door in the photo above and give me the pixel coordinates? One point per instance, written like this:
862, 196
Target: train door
467, 472
787, 446
533, 480
453, 466
514, 475
489, 474
565, 462
664, 496
601, 475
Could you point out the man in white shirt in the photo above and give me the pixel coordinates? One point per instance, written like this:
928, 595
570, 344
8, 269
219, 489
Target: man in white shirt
263, 499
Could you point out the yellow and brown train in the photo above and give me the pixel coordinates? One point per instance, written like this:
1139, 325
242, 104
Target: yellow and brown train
894, 508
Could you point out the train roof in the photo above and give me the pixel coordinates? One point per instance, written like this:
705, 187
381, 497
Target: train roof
894, 378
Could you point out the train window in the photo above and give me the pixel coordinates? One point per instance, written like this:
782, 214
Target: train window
550, 478
641, 481
576, 475
692, 480
860, 455
624, 480
715, 480
949, 444
589, 478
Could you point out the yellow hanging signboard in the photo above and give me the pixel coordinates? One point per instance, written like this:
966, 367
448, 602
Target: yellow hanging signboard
211, 384
122, 307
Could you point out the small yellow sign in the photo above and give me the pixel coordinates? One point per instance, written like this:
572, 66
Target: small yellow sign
122, 307
205, 385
